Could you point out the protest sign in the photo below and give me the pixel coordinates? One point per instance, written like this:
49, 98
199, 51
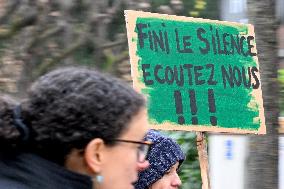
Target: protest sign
197, 74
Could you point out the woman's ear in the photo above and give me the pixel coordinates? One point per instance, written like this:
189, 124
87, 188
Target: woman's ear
94, 155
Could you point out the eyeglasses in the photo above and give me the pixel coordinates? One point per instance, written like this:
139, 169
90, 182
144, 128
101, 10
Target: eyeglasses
143, 148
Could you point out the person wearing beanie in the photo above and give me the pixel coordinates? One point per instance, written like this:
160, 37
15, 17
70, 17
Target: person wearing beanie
165, 158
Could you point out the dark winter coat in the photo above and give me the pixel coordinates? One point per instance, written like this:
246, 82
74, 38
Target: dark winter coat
29, 171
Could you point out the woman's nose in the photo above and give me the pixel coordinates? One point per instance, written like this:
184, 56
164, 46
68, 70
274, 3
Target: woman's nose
142, 165
176, 182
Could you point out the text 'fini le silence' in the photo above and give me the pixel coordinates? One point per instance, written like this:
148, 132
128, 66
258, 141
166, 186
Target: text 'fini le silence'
210, 41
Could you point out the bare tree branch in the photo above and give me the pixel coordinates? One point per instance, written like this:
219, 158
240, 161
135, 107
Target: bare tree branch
17, 26
51, 62
49, 33
10, 9
112, 44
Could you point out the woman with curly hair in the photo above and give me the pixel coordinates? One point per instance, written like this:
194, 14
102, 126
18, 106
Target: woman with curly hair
78, 128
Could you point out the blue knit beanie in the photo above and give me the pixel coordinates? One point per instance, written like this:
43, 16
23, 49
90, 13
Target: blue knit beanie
164, 153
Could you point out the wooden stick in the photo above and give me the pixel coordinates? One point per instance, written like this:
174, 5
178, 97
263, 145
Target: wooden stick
203, 159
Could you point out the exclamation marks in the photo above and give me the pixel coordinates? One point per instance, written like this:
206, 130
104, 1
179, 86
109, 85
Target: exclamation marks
179, 109
193, 107
212, 107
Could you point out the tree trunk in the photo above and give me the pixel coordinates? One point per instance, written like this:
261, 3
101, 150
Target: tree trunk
263, 150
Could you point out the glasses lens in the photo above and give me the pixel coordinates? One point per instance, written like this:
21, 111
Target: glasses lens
142, 152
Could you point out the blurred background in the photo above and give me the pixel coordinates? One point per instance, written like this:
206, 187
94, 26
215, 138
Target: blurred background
39, 35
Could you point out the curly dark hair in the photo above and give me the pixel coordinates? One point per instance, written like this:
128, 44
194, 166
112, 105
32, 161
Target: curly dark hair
66, 109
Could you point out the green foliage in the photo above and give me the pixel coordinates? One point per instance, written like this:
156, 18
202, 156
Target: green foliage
156, 3
281, 83
117, 24
84, 55
203, 8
